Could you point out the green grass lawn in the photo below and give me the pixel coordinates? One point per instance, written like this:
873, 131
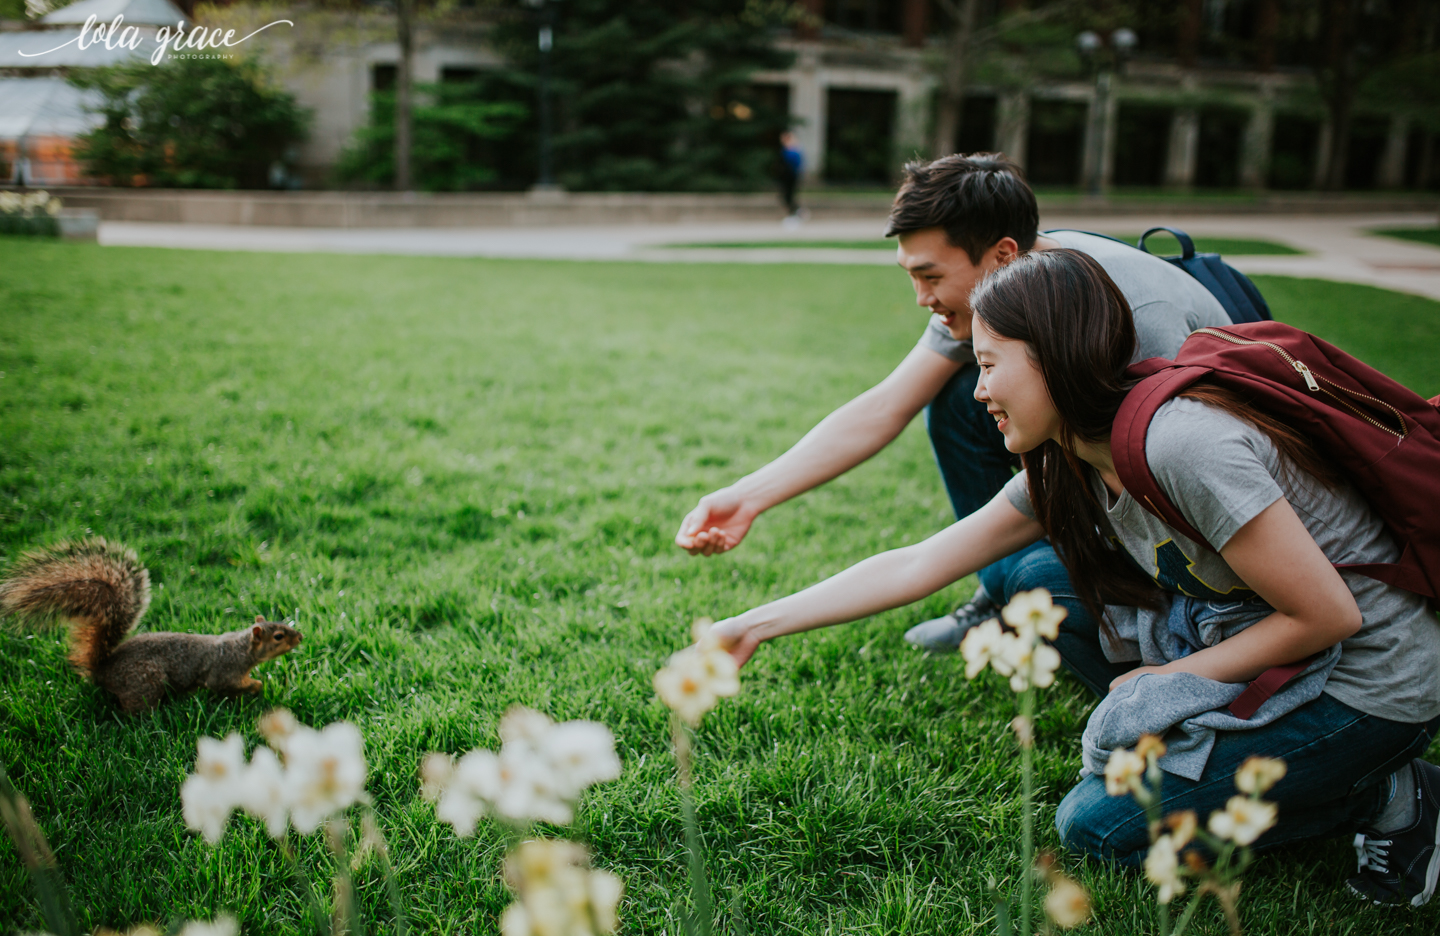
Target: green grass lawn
461, 477
1429, 235
1160, 244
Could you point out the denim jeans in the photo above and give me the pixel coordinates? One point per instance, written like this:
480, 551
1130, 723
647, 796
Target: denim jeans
1336, 758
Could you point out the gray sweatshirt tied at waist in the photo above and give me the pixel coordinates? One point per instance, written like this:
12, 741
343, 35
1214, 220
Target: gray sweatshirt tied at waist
1184, 709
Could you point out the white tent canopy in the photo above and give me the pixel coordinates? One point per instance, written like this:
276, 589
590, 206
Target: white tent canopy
36, 107
136, 13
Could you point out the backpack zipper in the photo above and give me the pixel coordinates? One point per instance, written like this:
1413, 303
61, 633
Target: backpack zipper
1313, 383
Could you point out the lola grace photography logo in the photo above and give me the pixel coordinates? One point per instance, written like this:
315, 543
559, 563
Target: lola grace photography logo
112, 36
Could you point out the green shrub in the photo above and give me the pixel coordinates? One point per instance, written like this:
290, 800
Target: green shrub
456, 127
40, 225
189, 123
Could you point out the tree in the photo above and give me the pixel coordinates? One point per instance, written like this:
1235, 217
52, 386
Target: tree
404, 117
189, 123
458, 129
657, 95
952, 73
1358, 40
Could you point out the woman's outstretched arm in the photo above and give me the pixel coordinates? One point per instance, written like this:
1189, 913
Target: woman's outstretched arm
887, 580
1277, 557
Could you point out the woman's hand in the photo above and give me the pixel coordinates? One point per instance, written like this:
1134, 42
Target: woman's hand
737, 638
1123, 678
886, 581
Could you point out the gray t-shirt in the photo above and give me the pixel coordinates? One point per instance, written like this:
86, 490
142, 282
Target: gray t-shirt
1221, 472
1167, 302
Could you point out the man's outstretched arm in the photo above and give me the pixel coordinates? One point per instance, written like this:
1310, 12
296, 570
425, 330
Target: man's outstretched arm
839, 442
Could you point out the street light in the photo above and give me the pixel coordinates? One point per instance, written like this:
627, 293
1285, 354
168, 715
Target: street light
1092, 46
546, 9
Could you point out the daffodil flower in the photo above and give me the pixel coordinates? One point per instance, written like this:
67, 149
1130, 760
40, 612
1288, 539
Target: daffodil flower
696, 678
1162, 868
1259, 774
1243, 819
1033, 612
1067, 904
1123, 772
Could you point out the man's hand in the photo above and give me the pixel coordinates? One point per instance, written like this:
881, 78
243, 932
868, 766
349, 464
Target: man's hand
716, 525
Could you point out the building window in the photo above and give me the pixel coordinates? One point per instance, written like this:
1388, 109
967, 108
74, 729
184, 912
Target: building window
459, 74
859, 137
1364, 150
977, 124
1142, 142
383, 77
1217, 154
865, 15
1057, 138
1293, 150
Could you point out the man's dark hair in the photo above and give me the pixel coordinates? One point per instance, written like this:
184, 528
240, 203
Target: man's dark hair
977, 199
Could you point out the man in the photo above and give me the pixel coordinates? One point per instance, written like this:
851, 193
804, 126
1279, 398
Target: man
792, 161
957, 219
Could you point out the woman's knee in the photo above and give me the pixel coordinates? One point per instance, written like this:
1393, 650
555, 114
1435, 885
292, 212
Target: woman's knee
1111, 828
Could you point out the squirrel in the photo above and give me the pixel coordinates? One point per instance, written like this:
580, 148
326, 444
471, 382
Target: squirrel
103, 590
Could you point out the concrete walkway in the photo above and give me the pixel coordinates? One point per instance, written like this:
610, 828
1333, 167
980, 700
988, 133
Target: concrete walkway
1338, 246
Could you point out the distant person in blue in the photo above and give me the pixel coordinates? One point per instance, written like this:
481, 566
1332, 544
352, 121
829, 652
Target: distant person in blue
792, 161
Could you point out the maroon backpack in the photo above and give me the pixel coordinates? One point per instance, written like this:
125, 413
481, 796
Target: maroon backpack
1384, 437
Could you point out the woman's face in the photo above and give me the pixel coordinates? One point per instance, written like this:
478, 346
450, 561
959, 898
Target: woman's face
1013, 391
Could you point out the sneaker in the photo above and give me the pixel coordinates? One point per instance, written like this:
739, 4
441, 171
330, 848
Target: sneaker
943, 634
1401, 867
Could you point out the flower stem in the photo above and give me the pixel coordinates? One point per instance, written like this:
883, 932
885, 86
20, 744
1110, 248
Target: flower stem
700, 921
316, 911
392, 881
347, 911
1027, 819
38, 859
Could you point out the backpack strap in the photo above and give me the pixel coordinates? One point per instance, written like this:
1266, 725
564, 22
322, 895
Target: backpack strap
1163, 380
1407, 573
1132, 423
1266, 685
1187, 246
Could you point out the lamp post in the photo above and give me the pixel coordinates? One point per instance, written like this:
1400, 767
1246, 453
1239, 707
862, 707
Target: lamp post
546, 8
1093, 48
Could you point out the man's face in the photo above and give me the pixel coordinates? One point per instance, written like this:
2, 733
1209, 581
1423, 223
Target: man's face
943, 275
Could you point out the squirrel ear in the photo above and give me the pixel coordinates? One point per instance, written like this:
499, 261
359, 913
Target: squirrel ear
257, 632
259, 619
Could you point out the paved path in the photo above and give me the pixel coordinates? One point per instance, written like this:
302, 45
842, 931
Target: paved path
1338, 246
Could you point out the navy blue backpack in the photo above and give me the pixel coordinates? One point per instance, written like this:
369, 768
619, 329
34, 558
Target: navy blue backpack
1242, 301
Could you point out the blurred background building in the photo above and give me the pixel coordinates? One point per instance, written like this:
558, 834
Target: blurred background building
672, 95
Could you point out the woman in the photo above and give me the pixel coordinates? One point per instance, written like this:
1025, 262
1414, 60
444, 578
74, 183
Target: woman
1052, 337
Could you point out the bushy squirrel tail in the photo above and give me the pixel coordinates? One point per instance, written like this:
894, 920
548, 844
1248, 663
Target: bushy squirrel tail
100, 587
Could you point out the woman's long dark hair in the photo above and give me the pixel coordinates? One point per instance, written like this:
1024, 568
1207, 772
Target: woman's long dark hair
1081, 336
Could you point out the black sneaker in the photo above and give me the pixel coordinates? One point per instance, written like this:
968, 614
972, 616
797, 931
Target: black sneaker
943, 634
1401, 867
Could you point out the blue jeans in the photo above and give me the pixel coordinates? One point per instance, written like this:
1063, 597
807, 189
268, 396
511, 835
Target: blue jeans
1336, 757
